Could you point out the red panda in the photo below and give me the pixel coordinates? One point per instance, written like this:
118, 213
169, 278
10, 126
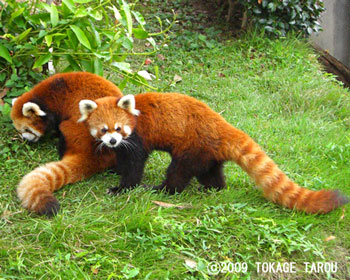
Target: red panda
199, 141
53, 104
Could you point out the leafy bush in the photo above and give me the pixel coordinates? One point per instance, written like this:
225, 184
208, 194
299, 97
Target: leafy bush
280, 16
276, 17
78, 35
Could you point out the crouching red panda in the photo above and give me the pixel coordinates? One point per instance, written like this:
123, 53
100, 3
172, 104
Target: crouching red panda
53, 104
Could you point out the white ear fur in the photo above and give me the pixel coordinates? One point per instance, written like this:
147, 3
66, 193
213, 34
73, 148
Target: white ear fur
13, 101
127, 102
86, 107
30, 108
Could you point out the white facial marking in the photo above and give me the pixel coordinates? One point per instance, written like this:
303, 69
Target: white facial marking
127, 129
29, 136
116, 125
112, 140
105, 126
93, 132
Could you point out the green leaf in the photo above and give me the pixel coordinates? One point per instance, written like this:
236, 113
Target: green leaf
69, 4
82, 1
81, 36
81, 12
54, 15
153, 43
73, 63
95, 14
126, 10
4, 53
48, 40
97, 35
16, 14
87, 65
98, 67
139, 18
127, 42
116, 13
123, 83
42, 60
73, 41
23, 35
122, 66
132, 273
139, 33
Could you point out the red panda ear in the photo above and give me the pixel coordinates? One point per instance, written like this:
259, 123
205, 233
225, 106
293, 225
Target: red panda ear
13, 101
86, 107
30, 109
127, 102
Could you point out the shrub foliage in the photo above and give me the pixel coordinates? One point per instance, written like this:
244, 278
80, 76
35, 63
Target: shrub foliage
77, 35
280, 16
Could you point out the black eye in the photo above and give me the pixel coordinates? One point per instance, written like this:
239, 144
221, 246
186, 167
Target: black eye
103, 130
118, 129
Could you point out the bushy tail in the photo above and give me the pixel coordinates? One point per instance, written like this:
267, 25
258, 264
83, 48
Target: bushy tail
277, 187
36, 188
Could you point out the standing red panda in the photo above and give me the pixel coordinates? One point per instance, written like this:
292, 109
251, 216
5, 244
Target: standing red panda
199, 141
52, 104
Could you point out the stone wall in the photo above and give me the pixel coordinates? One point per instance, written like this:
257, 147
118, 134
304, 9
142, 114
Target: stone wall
335, 37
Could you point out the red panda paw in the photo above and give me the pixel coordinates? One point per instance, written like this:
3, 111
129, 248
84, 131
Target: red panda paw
114, 190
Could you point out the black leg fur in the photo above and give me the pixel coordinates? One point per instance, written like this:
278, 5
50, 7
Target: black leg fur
178, 176
61, 145
214, 177
180, 172
131, 159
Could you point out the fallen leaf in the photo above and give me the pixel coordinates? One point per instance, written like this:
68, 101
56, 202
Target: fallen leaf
222, 75
169, 205
4, 92
94, 270
5, 214
148, 61
190, 263
64, 194
160, 56
177, 78
342, 214
146, 75
329, 238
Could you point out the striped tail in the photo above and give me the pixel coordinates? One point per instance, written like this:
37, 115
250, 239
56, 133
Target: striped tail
36, 188
277, 187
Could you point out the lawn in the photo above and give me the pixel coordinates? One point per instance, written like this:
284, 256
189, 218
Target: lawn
275, 91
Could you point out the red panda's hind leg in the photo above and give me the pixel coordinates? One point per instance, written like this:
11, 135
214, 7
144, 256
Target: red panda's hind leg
178, 176
181, 171
213, 177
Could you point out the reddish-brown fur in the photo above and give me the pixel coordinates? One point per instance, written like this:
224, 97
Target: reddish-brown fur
195, 135
59, 96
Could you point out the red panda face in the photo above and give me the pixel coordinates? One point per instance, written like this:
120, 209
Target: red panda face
107, 121
27, 119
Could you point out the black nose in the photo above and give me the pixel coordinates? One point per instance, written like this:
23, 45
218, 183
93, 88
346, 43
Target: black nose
112, 141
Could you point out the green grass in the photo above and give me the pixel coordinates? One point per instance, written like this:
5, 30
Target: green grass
272, 89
